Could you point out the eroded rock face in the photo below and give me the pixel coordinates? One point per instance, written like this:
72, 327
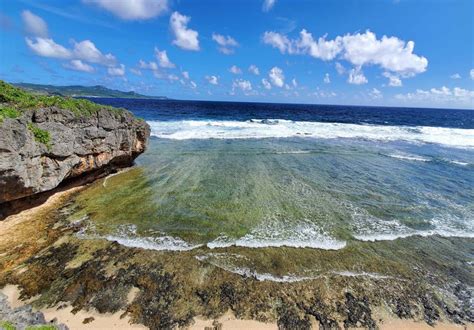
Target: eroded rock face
78, 145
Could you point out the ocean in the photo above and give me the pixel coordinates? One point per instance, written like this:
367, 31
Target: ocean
255, 175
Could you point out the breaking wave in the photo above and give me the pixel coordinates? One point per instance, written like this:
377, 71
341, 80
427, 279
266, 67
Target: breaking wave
278, 128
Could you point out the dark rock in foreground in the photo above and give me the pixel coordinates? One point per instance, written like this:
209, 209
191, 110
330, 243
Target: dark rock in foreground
44, 147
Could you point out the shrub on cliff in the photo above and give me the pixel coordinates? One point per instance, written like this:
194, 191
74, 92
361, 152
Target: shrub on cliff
13, 100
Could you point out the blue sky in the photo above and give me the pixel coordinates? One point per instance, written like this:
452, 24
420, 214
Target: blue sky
402, 52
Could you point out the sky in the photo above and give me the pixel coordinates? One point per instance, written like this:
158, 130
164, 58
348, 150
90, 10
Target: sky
362, 52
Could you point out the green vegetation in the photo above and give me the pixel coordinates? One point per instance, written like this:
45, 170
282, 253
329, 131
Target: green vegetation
41, 135
8, 112
14, 100
95, 91
41, 327
5, 325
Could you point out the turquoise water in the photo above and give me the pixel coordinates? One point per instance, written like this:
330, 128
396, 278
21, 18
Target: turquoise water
304, 192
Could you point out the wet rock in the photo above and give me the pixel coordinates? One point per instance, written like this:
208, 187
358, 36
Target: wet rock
24, 316
290, 318
358, 313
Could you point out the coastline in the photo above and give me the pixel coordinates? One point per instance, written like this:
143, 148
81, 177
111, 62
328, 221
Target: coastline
30, 226
84, 320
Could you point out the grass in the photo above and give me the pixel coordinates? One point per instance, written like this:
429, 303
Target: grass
14, 100
41, 135
7, 325
41, 327
8, 112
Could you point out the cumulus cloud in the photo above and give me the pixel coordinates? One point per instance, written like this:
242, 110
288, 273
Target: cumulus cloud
241, 84
163, 59
226, 44
213, 80
294, 83
132, 9
148, 65
118, 71
276, 77
185, 38
375, 94
266, 84
135, 71
327, 80
193, 85
78, 65
389, 53
471, 74
340, 68
444, 96
34, 25
87, 51
185, 75
46, 47
235, 69
393, 80
267, 5
356, 77
254, 69
455, 76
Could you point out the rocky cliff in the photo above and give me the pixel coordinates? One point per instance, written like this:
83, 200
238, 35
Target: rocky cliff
43, 147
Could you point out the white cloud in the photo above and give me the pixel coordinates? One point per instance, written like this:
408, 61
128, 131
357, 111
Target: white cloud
444, 96
327, 80
241, 84
148, 66
268, 4
34, 25
254, 69
226, 44
471, 73
135, 71
390, 53
276, 77
193, 85
185, 75
163, 59
132, 9
455, 76
356, 77
78, 65
172, 77
266, 84
294, 83
235, 69
185, 38
393, 80
46, 47
340, 68
118, 71
87, 51
213, 80
375, 94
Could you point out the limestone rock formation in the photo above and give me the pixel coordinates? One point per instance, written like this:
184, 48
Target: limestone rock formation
73, 146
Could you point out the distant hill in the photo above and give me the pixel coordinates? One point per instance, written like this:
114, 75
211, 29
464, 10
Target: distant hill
83, 91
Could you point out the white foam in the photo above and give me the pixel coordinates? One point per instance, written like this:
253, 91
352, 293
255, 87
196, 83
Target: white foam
409, 157
127, 235
281, 233
277, 128
362, 274
457, 162
218, 261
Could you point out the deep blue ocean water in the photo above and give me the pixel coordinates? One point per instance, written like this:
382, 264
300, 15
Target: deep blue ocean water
166, 110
